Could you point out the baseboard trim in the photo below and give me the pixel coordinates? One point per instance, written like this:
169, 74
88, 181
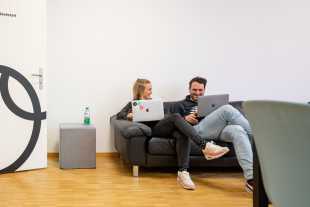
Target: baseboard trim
98, 154
107, 154
53, 154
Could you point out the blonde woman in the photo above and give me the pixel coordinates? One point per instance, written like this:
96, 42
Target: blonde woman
173, 124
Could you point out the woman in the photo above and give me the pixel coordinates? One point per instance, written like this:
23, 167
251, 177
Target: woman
173, 125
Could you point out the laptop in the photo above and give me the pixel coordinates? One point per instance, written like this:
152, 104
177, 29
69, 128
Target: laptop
147, 110
208, 104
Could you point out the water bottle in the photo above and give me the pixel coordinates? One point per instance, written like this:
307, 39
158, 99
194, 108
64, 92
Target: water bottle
87, 116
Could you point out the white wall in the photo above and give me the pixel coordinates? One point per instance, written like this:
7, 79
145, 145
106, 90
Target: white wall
96, 49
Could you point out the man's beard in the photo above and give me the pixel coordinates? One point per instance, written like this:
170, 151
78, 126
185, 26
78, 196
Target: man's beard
194, 98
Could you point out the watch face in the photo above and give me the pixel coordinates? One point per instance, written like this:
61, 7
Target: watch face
36, 116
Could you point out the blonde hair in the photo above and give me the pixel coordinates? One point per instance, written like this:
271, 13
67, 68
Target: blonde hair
138, 88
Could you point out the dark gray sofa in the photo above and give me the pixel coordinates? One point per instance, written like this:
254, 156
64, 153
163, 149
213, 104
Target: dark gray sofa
137, 148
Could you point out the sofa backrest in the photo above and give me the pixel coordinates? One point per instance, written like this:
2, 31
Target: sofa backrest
171, 107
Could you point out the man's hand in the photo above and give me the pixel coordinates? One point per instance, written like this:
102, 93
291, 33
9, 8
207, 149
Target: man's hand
129, 116
192, 119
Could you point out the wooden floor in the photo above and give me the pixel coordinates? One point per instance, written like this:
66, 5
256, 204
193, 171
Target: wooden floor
111, 184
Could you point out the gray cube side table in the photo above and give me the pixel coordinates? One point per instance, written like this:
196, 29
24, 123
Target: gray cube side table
77, 146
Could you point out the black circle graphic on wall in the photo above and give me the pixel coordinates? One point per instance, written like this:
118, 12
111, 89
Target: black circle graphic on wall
37, 116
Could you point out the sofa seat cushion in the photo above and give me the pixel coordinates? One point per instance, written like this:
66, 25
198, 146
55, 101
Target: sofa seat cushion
161, 146
165, 146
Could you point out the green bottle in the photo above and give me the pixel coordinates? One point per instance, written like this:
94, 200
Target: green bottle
87, 116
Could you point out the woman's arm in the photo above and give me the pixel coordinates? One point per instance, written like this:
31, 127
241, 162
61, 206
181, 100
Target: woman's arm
123, 114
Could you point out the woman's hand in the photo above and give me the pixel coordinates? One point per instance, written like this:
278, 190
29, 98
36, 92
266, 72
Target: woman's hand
129, 116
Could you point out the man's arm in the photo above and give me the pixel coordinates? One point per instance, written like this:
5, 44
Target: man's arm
191, 118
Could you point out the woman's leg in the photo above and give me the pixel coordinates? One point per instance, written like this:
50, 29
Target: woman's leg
173, 122
167, 128
183, 147
210, 150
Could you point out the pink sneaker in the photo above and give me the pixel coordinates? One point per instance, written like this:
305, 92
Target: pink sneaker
213, 151
185, 180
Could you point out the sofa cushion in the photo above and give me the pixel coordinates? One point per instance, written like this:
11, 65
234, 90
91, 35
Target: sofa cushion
172, 107
136, 130
161, 146
131, 129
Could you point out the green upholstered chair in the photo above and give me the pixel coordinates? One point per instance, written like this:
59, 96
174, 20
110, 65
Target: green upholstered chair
281, 152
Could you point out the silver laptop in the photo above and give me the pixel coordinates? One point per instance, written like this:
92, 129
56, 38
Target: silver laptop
207, 104
147, 110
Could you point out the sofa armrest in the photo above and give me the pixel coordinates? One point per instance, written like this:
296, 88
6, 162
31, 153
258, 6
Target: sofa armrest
137, 151
130, 140
238, 105
130, 129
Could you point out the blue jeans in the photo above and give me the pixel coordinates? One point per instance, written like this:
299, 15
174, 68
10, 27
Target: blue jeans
229, 125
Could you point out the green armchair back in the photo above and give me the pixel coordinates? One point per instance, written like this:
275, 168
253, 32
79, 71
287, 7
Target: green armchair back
282, 139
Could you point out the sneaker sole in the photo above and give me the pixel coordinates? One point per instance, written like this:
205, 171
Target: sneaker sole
217, 156
248, 189
184, 186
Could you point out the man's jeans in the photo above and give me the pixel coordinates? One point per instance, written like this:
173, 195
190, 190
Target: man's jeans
229, 125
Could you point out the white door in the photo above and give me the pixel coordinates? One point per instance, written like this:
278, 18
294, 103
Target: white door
23, 136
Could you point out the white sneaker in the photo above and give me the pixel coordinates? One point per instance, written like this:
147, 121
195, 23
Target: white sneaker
213, 151
185, 180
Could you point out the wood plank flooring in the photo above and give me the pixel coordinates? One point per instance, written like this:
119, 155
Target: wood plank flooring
111, 184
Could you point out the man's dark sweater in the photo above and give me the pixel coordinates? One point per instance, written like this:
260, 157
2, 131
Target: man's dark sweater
187, 106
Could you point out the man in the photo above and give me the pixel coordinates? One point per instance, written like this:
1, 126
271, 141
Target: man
225, 123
